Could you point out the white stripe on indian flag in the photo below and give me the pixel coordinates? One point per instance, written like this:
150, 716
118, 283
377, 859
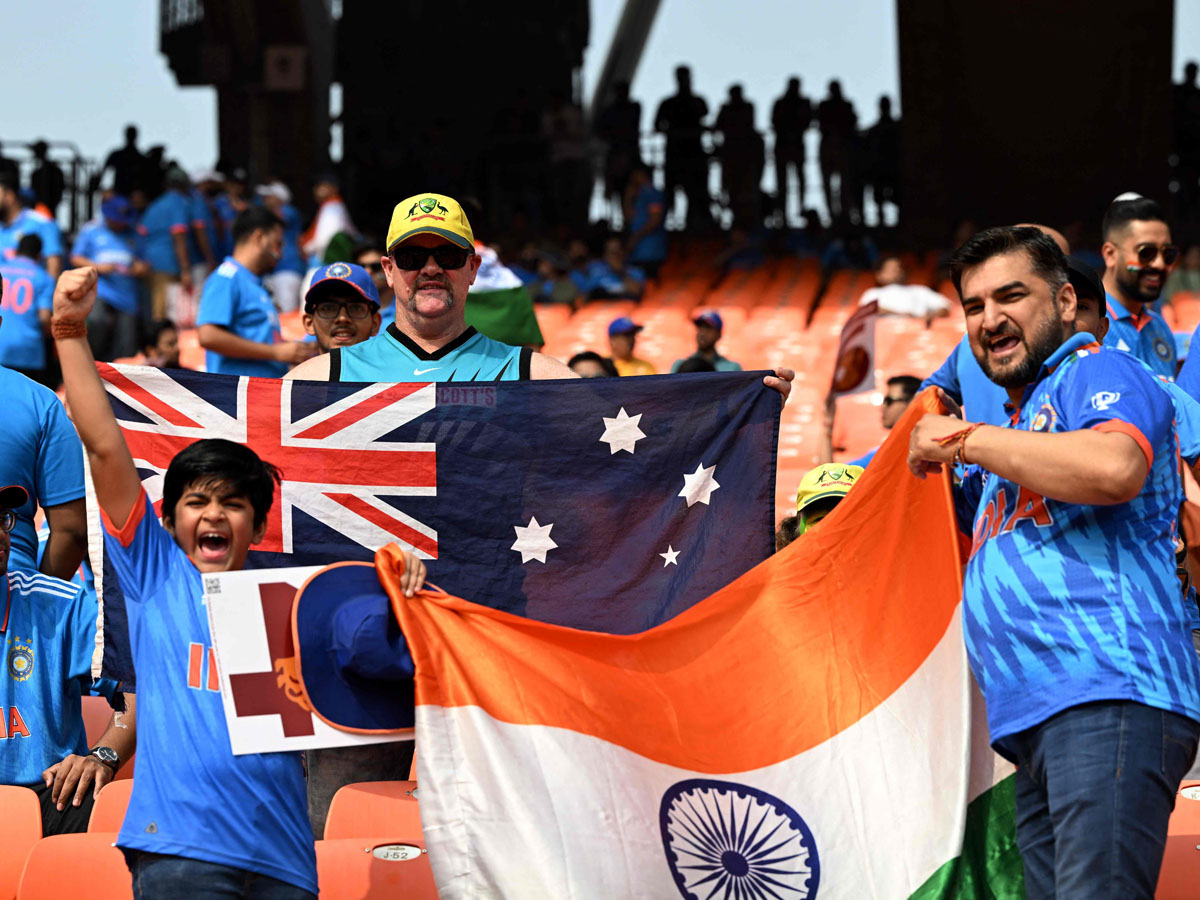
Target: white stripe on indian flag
521, 810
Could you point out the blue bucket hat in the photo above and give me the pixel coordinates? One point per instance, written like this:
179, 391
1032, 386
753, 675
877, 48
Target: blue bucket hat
352, 661
355, 277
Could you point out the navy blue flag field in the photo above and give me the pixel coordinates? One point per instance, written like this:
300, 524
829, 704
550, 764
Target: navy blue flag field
609, 504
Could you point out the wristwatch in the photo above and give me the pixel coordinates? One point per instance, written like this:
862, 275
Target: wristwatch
108, 756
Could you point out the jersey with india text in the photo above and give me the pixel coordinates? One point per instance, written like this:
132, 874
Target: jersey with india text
192, 797
393, 356
1065, 604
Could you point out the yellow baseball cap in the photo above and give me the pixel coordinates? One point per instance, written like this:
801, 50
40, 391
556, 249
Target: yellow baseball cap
430, 214
829, 480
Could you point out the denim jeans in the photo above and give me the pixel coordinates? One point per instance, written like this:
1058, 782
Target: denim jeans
1095, 787
159, 877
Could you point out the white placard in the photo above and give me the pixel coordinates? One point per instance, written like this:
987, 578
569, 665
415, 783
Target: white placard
260, 716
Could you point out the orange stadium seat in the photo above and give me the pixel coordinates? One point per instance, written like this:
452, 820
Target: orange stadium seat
1180, 873
20, 829
96, 715
373, 808
1186, 309
109, 810
291, 326
374, 869
76, 865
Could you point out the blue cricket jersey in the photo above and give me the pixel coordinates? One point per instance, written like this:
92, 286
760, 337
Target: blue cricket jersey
1066, 604
392, 355
1146, 335
169, 215
27, 289
192, 797
235, 299
42, 454
653, 247
49, 633
30, 221
292, 260
201, 218
962, 378
1189, 375
103, 246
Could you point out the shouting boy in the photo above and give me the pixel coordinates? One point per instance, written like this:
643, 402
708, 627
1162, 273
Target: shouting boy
198, 816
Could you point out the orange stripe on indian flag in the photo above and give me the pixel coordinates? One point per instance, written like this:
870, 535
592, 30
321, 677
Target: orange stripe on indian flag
818, 630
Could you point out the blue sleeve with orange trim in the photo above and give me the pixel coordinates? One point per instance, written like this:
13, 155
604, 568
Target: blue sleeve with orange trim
946, 377
1110, 391
1189, 375
139, 549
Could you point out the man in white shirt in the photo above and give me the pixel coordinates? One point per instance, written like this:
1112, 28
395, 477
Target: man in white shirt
897, 297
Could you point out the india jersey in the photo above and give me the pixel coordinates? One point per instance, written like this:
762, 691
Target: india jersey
235, 299
103, 246
192, 797
27, 289
49, 634
1066, 604
166, 217
393, 356
30, 221
1146, 335
42, 454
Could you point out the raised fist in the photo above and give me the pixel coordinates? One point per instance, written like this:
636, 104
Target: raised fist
75, 294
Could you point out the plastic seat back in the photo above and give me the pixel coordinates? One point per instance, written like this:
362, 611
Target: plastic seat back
372, 808
108, 812
20, 829
76, 865
374, 869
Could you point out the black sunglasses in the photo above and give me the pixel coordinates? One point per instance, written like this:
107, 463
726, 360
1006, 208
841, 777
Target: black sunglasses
1147, 253
331, 309
888, 401
447, 256
373, 267
8, 520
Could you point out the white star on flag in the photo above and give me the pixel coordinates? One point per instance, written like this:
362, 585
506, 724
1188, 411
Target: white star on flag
533, 540
669, 556
621, 432
699, 485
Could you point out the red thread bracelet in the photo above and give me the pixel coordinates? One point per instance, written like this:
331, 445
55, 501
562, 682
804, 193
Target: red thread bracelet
62, 329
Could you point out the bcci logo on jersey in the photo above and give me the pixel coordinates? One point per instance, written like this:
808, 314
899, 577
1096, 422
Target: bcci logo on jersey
20, 659
1045, 420
1104, 399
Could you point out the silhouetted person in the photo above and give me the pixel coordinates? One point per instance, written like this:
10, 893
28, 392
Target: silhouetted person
47, 179
791, 117
741, 155
127, 163
10, 169
1186, 103
882, 156
839, 125
153, 172
681, 118
566, 142
619, 125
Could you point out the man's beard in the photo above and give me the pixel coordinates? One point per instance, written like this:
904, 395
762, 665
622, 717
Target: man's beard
1038, 348
412, 298
1132, 284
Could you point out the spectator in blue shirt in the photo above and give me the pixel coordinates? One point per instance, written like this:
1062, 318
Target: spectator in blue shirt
238, 324
201, 255
284, 283
1138, 254
25, 308
1071, 609
16, 221
163, 233
108, 245
645, 213
611, 277
709, 326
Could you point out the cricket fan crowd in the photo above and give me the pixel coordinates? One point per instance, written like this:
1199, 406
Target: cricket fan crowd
1069, 424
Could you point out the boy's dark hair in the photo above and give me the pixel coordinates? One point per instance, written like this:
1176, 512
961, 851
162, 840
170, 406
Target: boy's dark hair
910, 383
215, 459
154, 330
695, 363
593, 356
30, 246
252, 219
1121, 212
1048, 260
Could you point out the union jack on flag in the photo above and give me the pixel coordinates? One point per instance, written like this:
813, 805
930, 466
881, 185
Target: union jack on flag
606, 504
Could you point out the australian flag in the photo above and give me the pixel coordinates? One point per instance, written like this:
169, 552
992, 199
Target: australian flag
608, 504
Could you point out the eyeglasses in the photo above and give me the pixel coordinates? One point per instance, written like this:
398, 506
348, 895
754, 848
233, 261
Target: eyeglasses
1147, 253
331, 309
373, 267
447, 256
8, 520
888, 401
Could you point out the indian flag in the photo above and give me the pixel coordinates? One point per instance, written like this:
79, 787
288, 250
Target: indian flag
812, 730
499, 306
